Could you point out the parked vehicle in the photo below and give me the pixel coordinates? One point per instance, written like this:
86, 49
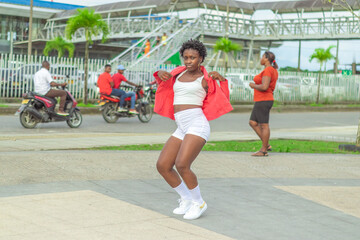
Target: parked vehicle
288, 88
68, 74
93, 89
239, 85
11, 83
26, 74
109, 105
37, 108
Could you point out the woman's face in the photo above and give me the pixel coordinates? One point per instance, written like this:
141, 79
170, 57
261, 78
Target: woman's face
264, 60
192, 59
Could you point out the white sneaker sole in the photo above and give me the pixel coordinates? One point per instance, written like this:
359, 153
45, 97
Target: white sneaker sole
180, 213
196, 217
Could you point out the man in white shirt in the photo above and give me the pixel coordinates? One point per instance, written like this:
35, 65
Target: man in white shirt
43, 83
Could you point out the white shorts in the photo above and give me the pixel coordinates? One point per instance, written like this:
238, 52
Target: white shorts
191, 121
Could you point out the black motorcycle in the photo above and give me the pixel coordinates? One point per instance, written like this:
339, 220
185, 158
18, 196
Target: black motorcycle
109, 105
37, 108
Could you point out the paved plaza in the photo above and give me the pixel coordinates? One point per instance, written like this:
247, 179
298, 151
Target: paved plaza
50, 192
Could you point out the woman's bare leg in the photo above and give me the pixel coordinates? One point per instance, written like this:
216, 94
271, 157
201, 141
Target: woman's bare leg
166, 161
254, 125
189, 150
265, 136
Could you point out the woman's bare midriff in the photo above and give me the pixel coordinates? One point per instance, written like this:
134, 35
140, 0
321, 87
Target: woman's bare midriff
179, 108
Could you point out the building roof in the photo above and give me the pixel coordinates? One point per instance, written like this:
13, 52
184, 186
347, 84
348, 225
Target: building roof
142, 7
43, 4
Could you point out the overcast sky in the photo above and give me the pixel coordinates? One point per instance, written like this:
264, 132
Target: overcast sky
287, 54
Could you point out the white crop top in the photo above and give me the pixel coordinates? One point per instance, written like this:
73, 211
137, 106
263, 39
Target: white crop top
191, 93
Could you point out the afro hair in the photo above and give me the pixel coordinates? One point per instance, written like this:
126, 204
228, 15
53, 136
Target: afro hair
196, 45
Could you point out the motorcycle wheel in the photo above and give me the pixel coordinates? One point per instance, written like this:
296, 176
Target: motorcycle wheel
75, 120
109, 113
145, 113
27, 120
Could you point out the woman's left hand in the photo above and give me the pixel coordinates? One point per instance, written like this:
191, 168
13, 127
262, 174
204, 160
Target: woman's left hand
216, 76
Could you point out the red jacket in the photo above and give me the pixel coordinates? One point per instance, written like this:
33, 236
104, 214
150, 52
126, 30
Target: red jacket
216, 102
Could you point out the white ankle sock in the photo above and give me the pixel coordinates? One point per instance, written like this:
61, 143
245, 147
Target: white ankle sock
183, 191
196, 195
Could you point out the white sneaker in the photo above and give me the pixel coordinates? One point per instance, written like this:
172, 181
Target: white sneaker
195, 211
120, 109
184, 206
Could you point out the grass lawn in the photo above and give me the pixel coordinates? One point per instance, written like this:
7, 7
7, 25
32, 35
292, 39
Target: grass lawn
289, 146
3, 105
353, 105
87, 105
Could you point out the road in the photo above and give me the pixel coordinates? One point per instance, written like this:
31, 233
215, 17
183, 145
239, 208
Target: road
234, 122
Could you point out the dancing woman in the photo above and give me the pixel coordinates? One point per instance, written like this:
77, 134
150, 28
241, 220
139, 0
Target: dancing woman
191, 97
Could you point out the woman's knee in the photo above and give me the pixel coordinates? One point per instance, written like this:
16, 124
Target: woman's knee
253, 123
162, 167
182, 167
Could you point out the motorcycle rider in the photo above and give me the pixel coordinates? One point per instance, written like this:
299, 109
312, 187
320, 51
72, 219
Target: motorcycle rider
43, 83
106, 84
117, 79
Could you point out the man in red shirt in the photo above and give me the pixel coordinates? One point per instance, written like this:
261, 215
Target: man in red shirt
105, 84
117, 78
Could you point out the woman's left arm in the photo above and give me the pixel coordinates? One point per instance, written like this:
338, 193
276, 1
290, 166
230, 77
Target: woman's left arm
263, 86
223, 82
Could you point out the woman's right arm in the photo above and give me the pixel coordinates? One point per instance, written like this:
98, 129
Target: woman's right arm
162, 76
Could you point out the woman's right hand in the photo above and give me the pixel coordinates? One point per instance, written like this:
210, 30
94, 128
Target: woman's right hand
164, 76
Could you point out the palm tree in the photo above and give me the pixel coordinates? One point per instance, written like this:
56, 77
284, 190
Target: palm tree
227, 46
30, 30
94, 25
60, 45
345, 4
322, 56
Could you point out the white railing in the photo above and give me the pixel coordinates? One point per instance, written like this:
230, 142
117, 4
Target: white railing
136, 51
281, 28
126, 27
16, 77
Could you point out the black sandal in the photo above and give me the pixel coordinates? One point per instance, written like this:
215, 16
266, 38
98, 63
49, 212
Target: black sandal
257, 154
269, 148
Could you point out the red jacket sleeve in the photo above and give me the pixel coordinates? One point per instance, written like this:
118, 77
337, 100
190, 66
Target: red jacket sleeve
224, 86
157, 79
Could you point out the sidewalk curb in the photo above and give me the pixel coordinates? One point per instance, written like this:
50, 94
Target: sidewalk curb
237, 109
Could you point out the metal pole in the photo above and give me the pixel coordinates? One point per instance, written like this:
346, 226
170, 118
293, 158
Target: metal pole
11, 41
299, 56
250, 54
227, 20
30, 29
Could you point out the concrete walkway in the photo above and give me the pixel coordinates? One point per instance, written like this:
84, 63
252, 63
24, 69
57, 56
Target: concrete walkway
48, 191
119, 195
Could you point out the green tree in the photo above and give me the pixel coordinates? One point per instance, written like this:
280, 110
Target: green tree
60, 45
344, 4
227, 47
322, 56
93, 25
